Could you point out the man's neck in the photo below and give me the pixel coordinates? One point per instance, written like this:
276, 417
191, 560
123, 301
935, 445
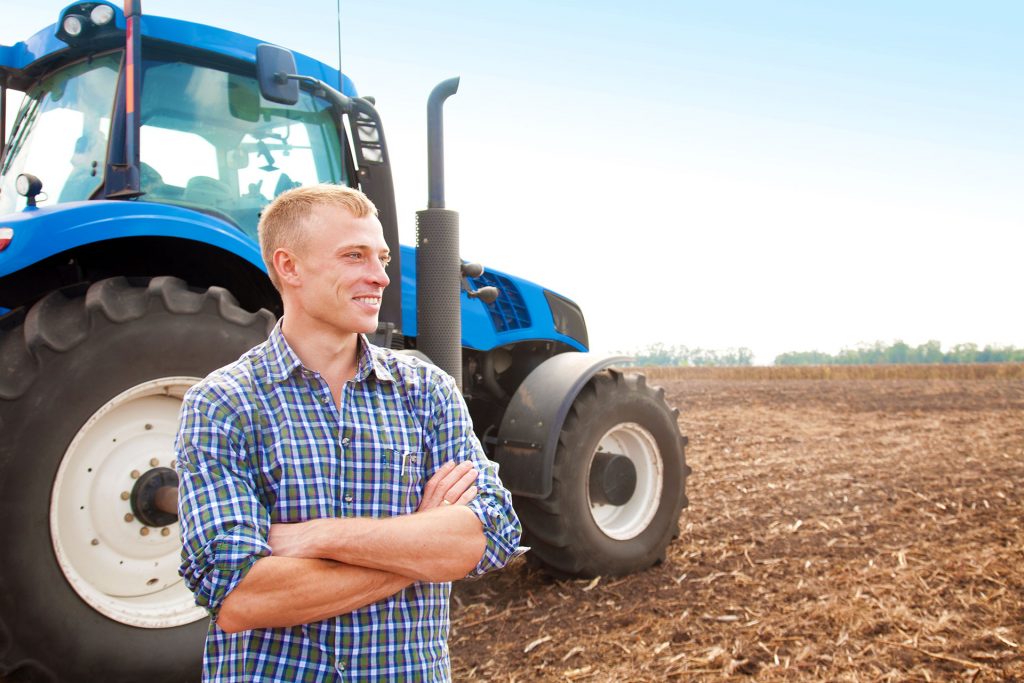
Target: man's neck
322, 349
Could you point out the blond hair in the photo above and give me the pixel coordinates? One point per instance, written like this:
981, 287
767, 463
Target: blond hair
282, 224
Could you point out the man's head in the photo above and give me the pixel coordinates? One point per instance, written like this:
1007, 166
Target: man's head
325, 251
283, 221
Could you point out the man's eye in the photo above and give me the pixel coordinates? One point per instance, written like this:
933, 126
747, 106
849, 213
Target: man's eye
385, 261
355, 256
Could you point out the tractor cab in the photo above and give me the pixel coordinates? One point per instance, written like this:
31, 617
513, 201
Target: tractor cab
207, 140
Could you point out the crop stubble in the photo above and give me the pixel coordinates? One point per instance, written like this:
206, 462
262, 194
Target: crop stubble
842, 530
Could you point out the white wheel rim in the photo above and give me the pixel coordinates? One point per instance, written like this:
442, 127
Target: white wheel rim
120, 570
629, 520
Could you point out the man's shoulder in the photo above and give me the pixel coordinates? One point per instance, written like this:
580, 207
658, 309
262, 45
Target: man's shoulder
412, 370
232, 383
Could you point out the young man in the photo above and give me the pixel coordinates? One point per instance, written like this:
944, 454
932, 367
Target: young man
331, 490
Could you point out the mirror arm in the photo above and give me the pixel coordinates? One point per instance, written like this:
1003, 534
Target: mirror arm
343, 102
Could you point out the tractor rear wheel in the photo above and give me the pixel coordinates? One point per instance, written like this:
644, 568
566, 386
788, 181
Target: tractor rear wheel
89, 398
619, 483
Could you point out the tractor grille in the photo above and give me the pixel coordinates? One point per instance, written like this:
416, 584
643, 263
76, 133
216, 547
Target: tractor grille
509, 311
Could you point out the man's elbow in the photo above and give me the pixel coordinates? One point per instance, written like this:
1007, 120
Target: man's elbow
465, 558
474, 552
231, 617
235, 615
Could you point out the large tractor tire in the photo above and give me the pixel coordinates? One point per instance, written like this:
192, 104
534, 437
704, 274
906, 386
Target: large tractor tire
619, 483
91, 383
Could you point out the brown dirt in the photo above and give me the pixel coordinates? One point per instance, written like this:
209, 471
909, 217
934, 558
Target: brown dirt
851, 530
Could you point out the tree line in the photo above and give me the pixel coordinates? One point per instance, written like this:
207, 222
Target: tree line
899, 352
879, 353
673, 354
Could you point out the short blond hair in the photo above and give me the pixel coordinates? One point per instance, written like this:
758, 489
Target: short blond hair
283, 222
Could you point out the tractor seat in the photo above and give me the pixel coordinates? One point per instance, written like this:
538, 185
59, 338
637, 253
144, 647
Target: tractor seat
208, 191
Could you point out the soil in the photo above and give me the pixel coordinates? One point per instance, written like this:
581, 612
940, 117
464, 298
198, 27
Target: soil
839, 530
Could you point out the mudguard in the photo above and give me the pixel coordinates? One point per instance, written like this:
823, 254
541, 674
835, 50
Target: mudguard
48, 230
528, 437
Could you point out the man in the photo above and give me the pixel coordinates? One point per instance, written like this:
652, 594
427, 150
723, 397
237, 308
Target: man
331, 490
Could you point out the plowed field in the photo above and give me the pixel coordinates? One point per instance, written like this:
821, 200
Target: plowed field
839, 530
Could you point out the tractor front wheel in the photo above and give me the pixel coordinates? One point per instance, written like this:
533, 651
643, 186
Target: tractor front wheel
619, 483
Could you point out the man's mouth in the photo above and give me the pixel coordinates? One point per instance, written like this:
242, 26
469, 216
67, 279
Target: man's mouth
370, 300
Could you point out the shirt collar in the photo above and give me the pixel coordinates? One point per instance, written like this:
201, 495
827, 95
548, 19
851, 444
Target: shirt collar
278, 362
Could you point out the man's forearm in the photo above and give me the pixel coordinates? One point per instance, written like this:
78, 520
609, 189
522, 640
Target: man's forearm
441, 544
288, 591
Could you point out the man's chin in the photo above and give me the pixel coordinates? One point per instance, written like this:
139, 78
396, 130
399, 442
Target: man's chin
370, 327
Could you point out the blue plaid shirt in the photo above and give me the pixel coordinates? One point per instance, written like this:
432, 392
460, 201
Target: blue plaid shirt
261, 441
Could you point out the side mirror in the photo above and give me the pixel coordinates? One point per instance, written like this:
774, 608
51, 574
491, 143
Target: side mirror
274, 66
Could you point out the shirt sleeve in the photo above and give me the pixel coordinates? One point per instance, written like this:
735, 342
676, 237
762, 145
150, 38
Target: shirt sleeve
224, 526
450, 437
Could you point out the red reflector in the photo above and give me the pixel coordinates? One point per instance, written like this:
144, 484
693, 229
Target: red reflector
6, 235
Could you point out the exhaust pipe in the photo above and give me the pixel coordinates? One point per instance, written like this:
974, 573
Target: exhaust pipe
438, 265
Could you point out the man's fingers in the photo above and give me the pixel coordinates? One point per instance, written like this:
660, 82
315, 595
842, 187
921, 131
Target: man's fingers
448, 485
430, 490
469, 495
460, 486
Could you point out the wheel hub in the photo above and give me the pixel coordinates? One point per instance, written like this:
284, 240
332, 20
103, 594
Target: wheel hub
154, 497
612, 479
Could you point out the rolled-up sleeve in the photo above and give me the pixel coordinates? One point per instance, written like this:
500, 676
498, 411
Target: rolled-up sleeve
224, 526
451, 437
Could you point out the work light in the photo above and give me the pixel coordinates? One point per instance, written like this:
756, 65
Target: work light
101, 14
72, 25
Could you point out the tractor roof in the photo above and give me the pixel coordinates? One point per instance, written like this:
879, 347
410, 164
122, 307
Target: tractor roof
21, 61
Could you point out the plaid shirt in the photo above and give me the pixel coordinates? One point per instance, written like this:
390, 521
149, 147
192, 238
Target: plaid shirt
261, 441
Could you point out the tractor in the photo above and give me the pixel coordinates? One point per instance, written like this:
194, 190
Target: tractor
132, 182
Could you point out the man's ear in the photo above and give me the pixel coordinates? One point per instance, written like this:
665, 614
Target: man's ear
287, 267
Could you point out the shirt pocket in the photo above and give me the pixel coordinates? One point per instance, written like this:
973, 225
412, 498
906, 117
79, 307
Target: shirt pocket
401, 462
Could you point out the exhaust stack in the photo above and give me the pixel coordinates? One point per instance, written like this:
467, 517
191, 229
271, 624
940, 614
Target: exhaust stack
438, 265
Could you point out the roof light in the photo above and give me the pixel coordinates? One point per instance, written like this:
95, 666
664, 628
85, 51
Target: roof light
6, 235
28, 186
101, 14
73, 25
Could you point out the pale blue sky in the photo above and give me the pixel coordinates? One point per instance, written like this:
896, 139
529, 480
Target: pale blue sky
777, 175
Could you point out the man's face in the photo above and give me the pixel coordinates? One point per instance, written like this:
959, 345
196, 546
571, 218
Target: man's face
341, 269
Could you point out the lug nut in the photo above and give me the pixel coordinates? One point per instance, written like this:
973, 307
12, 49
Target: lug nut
129, 517
148, 427
165, 532
125, 495
135, 474
95, 541
153, 462
144, 531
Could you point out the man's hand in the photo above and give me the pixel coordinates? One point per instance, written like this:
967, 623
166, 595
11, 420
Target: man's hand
450, 485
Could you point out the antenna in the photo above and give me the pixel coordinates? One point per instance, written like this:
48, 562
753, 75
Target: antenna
341, 76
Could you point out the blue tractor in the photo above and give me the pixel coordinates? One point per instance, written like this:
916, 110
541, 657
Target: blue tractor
132, 183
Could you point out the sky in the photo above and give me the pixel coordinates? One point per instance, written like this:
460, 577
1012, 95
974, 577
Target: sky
781, 176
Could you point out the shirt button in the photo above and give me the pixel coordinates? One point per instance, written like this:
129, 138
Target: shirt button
340, 667
325, 399
349, 498
345, 441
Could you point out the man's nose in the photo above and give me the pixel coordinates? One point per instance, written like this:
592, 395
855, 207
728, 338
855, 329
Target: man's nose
380, 275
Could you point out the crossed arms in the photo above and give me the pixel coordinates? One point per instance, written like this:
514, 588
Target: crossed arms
325, 567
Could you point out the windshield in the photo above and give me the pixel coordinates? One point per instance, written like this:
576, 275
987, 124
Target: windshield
60, 135
209, 141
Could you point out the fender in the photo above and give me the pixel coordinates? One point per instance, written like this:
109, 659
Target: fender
50, 230
528, 437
